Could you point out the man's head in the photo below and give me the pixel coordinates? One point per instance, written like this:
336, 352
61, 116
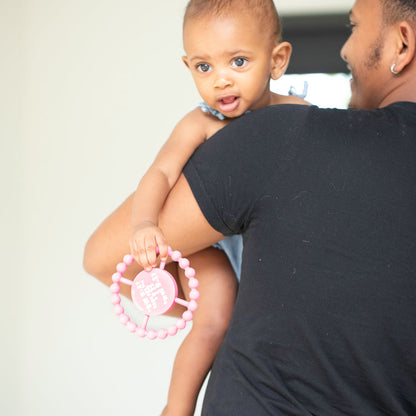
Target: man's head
380, 50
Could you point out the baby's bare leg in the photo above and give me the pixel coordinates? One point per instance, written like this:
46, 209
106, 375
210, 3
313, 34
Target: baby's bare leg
218, 289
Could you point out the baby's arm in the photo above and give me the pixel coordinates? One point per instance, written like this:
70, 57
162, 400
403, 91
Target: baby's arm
156, 184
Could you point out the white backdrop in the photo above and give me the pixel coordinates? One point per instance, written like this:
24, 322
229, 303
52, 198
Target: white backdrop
89, 91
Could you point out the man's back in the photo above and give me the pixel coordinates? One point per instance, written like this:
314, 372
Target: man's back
325, 321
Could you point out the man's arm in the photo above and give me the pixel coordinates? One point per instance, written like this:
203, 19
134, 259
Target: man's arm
181, 220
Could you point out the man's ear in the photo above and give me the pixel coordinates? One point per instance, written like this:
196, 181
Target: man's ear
280, 59
185, 61
406, 46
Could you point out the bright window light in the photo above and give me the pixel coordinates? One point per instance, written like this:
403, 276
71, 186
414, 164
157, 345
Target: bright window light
323, 90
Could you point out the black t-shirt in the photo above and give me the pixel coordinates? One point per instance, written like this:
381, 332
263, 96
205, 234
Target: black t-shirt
325, 319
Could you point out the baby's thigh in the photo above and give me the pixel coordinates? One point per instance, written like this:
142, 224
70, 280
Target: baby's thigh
217, 286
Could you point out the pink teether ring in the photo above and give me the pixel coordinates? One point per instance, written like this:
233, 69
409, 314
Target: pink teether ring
154, 293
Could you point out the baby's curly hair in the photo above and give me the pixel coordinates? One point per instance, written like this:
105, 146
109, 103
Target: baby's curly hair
264, 10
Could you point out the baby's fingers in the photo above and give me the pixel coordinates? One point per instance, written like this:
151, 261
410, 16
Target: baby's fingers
147, 254
163, 247
134, 249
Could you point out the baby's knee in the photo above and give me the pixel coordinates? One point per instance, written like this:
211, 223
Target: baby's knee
213, 323
209, 335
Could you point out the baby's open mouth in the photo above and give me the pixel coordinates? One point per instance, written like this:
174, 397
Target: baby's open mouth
228, 104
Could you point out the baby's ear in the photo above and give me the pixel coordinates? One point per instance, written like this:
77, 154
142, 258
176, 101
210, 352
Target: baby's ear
280, 59
185, 61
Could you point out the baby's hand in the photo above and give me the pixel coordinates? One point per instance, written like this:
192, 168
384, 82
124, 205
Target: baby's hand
144, 239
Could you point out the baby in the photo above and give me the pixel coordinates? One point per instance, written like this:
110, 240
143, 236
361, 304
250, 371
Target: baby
233, 48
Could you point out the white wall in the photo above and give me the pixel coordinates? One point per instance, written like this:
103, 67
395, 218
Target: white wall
89, 90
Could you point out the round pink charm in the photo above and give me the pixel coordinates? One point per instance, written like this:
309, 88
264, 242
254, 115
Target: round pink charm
154, 292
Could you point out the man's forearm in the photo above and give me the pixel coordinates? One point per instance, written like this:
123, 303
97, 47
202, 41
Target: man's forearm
181, 220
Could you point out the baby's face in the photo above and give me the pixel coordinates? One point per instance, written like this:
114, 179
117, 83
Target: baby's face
230, 59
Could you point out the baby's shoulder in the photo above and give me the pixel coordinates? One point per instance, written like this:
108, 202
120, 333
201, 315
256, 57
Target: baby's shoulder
203, 122
289, 99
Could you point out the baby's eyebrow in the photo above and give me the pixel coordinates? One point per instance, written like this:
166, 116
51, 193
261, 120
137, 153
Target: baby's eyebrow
199, 58
238, 52
233, 52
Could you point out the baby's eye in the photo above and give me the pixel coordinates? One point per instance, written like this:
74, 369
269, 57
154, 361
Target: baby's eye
239, 62
203, 67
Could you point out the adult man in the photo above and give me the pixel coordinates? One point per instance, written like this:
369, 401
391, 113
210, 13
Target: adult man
325, 320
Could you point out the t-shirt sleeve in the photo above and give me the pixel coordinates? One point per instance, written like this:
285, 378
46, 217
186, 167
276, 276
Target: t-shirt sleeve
230, 172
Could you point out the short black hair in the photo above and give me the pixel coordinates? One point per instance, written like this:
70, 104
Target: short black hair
398, 10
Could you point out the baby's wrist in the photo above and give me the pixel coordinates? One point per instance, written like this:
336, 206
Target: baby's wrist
143, 224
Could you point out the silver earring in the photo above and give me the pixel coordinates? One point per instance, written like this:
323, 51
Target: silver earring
393, 71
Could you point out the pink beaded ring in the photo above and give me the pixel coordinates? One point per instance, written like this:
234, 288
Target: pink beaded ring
154, 293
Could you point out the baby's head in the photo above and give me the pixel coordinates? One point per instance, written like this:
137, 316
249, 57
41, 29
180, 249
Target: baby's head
263, 11
233, 48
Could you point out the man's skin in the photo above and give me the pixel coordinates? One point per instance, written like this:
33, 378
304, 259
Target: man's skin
182, 221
